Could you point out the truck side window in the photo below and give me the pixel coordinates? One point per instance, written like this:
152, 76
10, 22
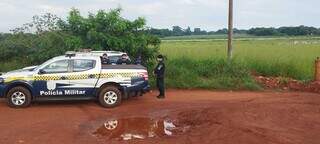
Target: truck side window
83, 65
60, 66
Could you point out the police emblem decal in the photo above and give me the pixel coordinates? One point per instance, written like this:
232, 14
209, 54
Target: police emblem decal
51, 85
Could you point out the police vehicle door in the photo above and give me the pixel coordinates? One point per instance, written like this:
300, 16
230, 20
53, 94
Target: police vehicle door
85, 74
52, 79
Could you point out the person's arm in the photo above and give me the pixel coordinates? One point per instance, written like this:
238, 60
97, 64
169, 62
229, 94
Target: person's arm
155, 71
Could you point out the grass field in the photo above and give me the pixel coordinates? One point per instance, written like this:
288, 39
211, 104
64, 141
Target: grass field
236, 36
287, 57
216, 36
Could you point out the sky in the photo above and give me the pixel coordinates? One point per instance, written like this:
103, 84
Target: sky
206, 14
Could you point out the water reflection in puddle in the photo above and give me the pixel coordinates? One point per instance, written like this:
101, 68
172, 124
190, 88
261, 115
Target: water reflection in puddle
135, 128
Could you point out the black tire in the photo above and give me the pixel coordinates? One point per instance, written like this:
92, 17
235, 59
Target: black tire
115, 97
24, 99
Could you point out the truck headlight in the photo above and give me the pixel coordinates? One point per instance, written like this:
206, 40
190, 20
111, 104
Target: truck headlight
1, 80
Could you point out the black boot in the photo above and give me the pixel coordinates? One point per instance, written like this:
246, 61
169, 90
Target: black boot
160, 97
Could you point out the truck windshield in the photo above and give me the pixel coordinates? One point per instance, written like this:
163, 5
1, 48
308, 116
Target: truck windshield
45, 63
31, 69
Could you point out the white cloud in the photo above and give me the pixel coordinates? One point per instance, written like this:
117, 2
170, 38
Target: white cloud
147, 8
188, 2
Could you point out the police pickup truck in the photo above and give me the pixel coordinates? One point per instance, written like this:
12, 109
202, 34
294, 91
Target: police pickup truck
75, 76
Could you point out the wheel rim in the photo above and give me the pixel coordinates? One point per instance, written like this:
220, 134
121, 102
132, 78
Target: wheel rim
110, 97
111, 125
18, 98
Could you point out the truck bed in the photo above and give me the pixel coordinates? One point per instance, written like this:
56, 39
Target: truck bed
123, 67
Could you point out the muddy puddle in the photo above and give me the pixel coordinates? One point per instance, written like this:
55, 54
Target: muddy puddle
136, 128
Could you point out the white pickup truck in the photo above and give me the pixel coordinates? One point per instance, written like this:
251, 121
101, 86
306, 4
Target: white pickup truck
77, 76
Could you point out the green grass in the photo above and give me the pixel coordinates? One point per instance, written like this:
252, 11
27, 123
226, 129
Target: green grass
193, 37
207, 74
201, 64
236, 36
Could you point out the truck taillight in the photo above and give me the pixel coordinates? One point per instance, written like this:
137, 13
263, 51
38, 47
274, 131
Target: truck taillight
144, 75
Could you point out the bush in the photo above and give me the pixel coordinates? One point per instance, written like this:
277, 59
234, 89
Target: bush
48, 36
109, 31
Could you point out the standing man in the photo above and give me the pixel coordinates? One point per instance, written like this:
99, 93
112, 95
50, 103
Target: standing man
159, 72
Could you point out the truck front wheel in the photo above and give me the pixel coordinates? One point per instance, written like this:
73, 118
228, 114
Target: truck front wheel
19, 97
110, 97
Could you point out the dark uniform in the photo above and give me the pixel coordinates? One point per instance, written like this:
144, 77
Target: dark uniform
123, 61
159, 72
138, 61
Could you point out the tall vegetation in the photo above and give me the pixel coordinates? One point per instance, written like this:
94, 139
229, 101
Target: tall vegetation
217, 73
47, 36
109, 31
291, 57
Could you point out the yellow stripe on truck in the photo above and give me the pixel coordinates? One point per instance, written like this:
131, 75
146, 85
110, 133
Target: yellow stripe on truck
86, 76
10, 79
46, 78
72, 77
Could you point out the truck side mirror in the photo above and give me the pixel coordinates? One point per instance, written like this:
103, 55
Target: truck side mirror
41, 71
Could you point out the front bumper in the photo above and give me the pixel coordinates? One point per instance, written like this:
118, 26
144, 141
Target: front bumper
2, 90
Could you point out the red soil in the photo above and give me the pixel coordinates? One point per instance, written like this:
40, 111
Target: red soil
199, 116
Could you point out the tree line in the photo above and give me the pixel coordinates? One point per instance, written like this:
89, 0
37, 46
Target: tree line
259, 31
47, 36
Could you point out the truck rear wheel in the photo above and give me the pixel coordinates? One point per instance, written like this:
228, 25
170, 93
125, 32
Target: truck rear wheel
110, 97
19, 97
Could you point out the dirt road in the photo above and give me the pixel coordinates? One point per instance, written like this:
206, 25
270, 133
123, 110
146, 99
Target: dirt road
186, 116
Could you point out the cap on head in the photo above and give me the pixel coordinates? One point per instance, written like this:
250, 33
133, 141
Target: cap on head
160, 56
124, 56
105, 55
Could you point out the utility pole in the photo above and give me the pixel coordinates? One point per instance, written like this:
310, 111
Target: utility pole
230, 30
